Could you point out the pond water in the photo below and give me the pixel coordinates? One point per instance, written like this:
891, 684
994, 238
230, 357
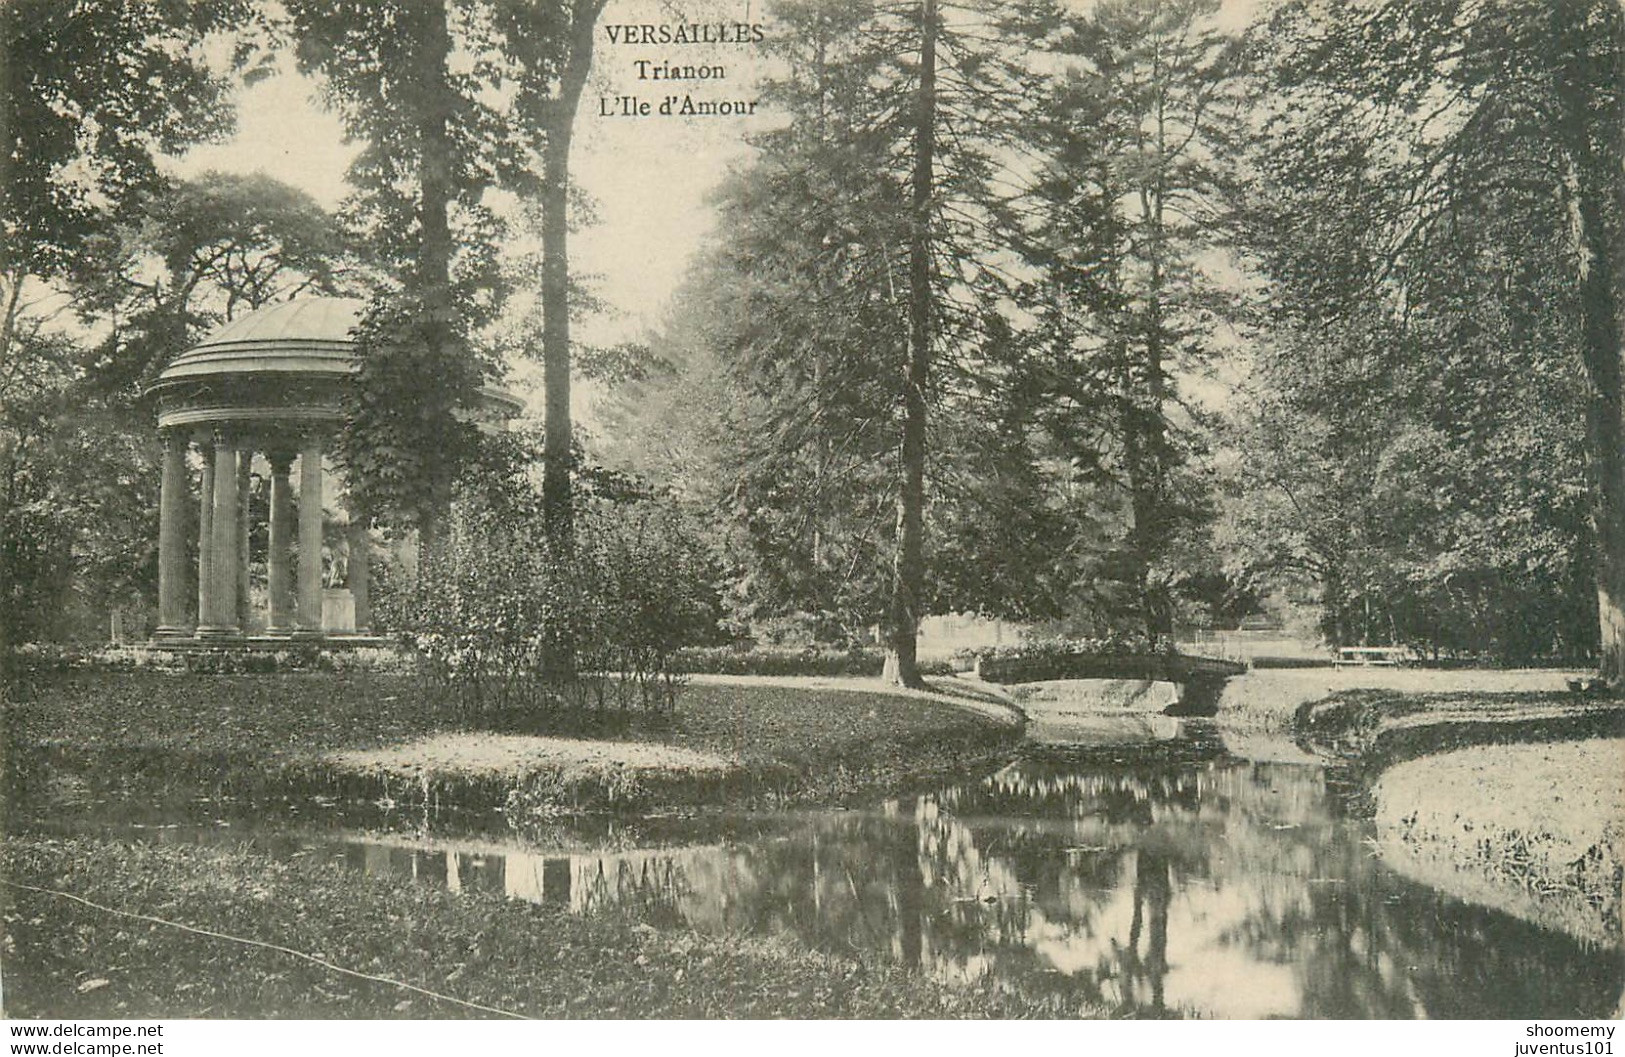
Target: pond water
1164, 880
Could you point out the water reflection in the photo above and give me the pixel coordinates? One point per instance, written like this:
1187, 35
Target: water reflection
1197, 885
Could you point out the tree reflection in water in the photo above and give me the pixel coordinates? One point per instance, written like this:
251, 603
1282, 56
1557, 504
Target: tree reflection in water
1220, 887
1185, 883
1153, 890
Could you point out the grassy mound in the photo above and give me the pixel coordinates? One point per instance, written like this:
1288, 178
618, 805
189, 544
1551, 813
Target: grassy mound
353, 735
67, 959
1538, 830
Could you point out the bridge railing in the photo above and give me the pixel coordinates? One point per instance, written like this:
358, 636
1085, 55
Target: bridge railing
1174, 668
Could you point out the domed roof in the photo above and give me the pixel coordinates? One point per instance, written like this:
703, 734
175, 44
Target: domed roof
301, 319
308, 335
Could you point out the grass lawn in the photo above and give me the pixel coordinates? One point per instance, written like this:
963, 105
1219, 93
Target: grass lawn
803, 742
1498, 787
265, 734
66, 959
1268, 700
1378, 728
1535, 829
303, 715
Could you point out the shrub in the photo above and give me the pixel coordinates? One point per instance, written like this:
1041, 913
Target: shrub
1264, 661
1038, 649
782, 660
500, 618
1054, 658
856, 661
646, 590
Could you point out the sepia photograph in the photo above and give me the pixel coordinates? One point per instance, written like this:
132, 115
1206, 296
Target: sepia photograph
811, 510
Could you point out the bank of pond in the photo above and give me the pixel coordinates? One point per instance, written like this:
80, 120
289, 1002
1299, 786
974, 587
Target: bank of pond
1168, 868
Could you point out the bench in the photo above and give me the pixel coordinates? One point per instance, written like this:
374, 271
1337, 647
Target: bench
1371, 656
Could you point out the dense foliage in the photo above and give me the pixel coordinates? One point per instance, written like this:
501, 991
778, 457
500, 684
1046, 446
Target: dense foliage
1064, 300
1107, 320
503, 617
418, 183
452, 103
93, 94
1119, 226
1421, 439
110, 268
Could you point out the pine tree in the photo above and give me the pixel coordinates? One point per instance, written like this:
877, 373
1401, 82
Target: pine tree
857, 271
1120, 222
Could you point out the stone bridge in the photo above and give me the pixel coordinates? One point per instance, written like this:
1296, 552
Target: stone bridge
1200, 679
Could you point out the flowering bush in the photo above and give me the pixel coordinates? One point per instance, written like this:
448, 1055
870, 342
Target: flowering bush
501, 618
862, 661
1056, 656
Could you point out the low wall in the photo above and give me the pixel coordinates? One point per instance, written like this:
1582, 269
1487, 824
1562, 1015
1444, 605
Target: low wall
1176, 668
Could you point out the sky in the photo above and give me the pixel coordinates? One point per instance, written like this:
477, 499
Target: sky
649, 177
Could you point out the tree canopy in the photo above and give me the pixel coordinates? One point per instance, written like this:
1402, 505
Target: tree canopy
958, 346
1438, 213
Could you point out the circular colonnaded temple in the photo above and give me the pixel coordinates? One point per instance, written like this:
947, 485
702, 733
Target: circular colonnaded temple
264, 393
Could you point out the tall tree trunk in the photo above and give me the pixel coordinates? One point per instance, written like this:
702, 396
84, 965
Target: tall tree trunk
557, 501
435, 164
1145, 444
1605, 419
1142, 493
1150, 476
908, 569
10, 602
1599, 206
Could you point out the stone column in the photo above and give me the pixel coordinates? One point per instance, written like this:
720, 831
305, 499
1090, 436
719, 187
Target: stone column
221, 619
172, 620
205, 530
279, 559
360, 588
310, 538
245, 601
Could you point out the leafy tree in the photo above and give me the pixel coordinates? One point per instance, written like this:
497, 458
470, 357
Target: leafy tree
1425, 125
438, 137
788, 453
193, 256
857, 295
236, 243
432, 147
81, 491
1004, 531
36, 530
551, 47
94, 92
1428, 512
